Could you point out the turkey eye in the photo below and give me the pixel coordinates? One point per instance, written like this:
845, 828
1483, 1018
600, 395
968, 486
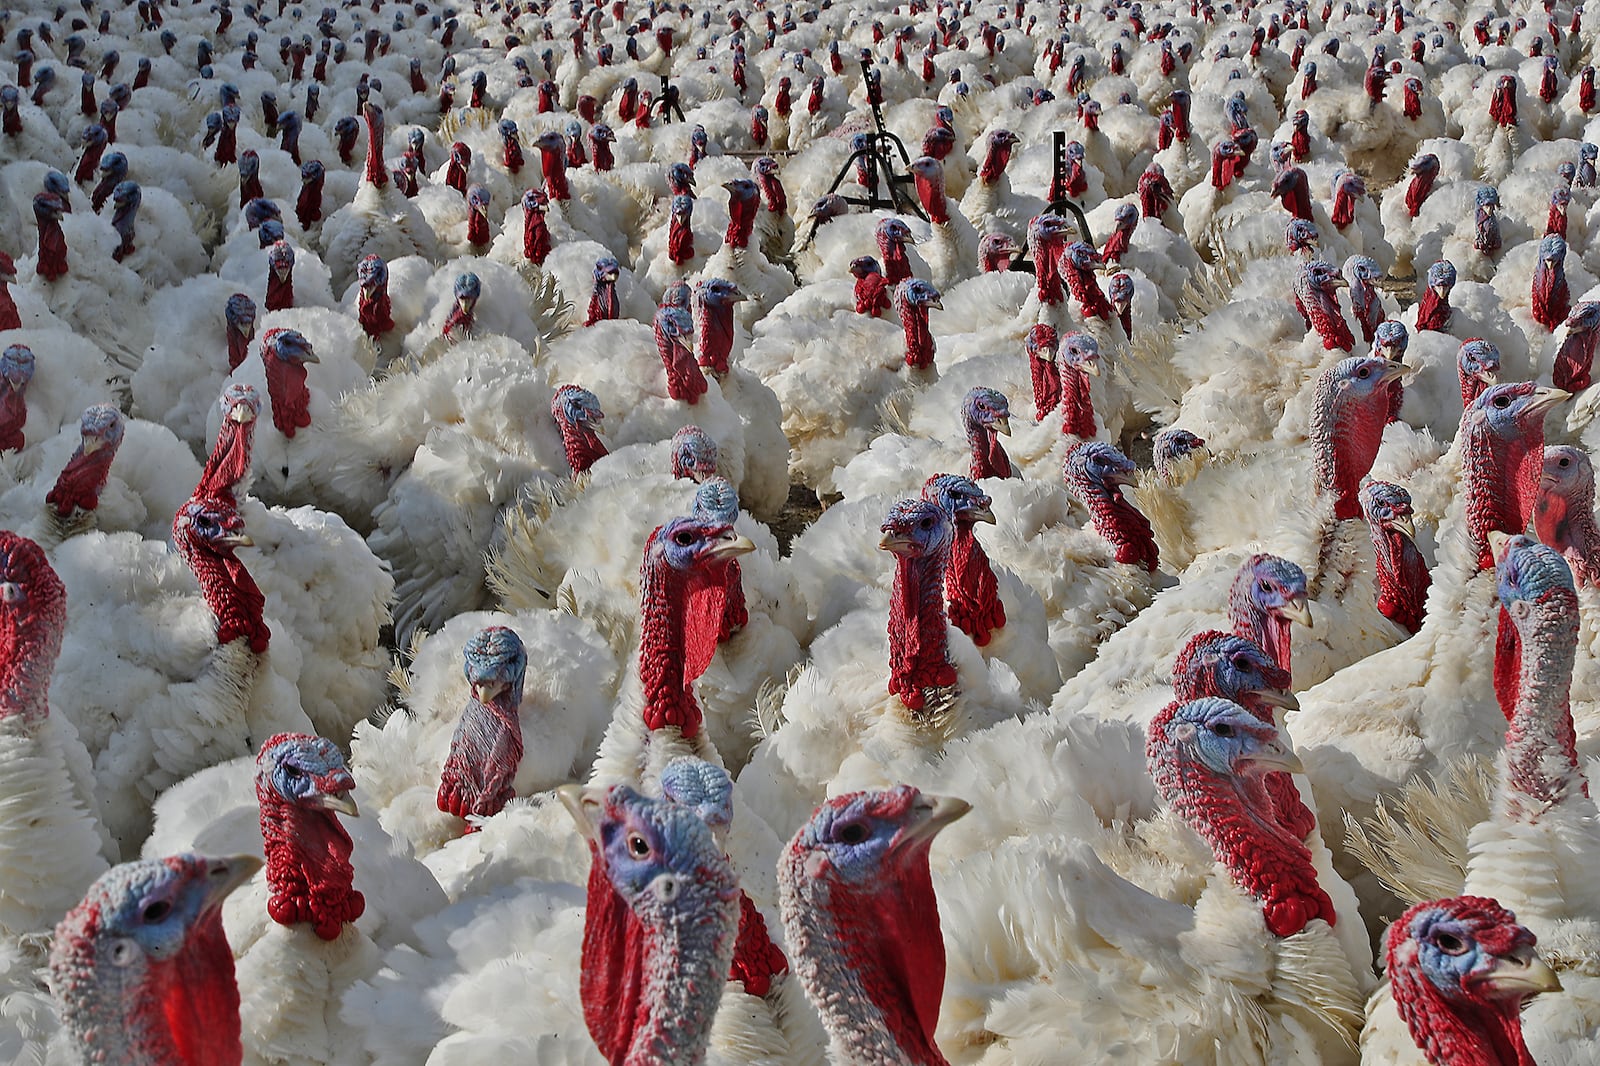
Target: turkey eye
1222, 729
926, 523
683, 539
1364, 372
1502, 402
1240, 662
155, 912
852, 833
638, 846
1449, 944
1566, 462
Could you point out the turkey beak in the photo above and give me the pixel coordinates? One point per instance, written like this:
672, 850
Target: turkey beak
235, 539
1001, 426
934, 813
241, 413
1277, 755
732, 547
936, 305
1545, 398
584, 806
1297, 610
1394, 372
1489, 376
980, 514
1339, 283
308, 356
1047, 354
1522, 973
1274, 697
1404, 524
487, 691
894, 542
1497, 542
227, 874
1091, 367
342, 802
91, 444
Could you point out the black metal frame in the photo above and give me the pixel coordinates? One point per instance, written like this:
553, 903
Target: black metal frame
880, 144
1058, 175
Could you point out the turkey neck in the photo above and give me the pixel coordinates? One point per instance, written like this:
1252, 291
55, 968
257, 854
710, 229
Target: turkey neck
79, 484
896, 264
1502, 483
1552, 299
1402, 578
664, 603
872, 294
1345, 436
9, 319
1491, 1035
995, 158
1121, 523
374, 311
931, 192
715, 327
773, 196
1077, 406
919, 339
1541, 733
871, 959
1046, 388
685, 382
229, 463
232, 595
1567, 524
1087, 292
280, 291
917, 659
989, 457
1251, 621
971, 587
238, 345
485, 753
286, 388
376, 174
309, 876
582, 445
536, 242
1575, 360
1472, 387
680, 240
1234, 816
1433, 311
553, 165
1047, 272
1418, 191
1486, 238
741, 220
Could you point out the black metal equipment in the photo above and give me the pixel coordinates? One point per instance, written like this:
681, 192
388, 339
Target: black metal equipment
668, 103
878, 152
1058, 178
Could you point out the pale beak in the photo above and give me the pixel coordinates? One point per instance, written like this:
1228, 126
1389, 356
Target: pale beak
736, 546
1047, 354
1340, 283
310, 357
1404, 524
1394, 372
240, 539
488, 691
342, 802
1497, 541
1297, 610
1520, 976
980, 514
1277, 755
1091, 367
584, 806
91, 445
241, 413
942, 810
1545, 397
1123, 477
1002, 426
227, 874
1273, 697
1488, 376
937, 305
896, 542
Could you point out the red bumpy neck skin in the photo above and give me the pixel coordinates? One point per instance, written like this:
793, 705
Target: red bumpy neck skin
741, 220
286, 387
919, 339
376, 173
685, 381
78, 487
995, 158
1320, 309
1418, 191
229, 462
309, 876
374, 312
1503, 105
582, 446
232, 595
455, 175
1575, 360
714, 327
989, 458
1556, 221
896, 264
1046, 387
1249, 620
479, 773
931, 192
917, 659
1234, 816
1568, 526
1535, 649
477, 229
1433, 311
1345, 436
872, 293
1155, 194
1047, 272
9, 317
603, 303
680, 240
30, 637
238, 346
1402, 579
1091, 301
52, 262
553, 165
611, 981
536, 242
757, 961
1487, 234
1501, 484
13, 416
1552, 299
1123, 524
89, 162
280, 294
971, 588
1077, 406
308, 205
668, 638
